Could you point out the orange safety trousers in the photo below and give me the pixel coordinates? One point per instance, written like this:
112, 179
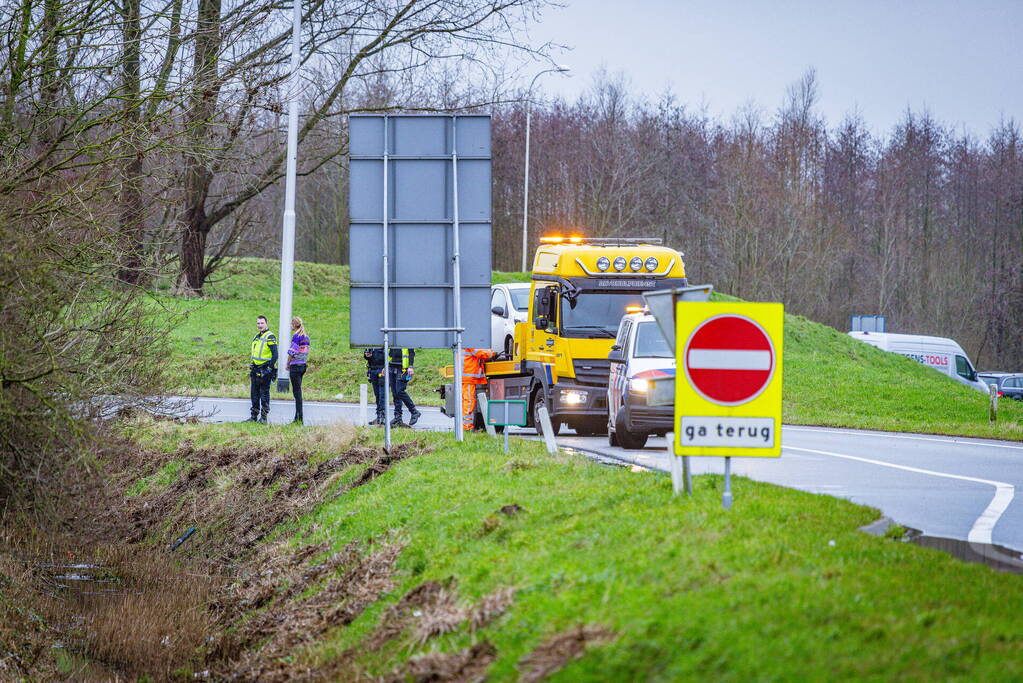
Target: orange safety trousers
468, 404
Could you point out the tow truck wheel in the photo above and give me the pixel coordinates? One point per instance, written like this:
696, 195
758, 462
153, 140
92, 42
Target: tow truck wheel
627, 439
537, 402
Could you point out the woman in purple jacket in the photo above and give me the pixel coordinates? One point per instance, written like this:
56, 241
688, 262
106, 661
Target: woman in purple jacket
298, 357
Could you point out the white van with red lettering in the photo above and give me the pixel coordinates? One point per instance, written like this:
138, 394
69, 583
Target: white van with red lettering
944, 355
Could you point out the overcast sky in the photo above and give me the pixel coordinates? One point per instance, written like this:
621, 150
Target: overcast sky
962, 61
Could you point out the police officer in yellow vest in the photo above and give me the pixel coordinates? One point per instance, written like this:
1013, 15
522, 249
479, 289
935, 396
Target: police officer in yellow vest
262, 368
401, 369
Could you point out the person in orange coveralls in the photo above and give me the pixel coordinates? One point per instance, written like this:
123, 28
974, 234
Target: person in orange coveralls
473, 363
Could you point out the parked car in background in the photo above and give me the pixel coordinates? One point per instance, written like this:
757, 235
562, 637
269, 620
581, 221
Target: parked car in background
640, 354
509, 304
939, 353
1007, 384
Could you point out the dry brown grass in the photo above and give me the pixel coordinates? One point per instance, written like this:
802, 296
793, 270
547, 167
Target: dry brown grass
556, 651
468, 666
158, 611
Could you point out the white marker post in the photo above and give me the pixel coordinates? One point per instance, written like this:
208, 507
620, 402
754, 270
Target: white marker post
363, 416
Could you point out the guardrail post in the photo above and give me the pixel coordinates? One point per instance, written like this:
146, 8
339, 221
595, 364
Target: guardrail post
993, 403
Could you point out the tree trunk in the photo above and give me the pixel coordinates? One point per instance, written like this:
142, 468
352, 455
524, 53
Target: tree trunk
132, 210
198, 158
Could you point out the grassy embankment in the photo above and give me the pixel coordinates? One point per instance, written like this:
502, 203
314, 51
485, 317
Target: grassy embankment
211, 345
522, 565
830, 379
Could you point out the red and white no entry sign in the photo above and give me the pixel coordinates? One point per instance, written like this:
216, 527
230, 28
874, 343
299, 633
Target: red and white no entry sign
729, 359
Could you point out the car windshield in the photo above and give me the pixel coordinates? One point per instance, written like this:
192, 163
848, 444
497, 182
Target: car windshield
520, 298
650, 343
596, 314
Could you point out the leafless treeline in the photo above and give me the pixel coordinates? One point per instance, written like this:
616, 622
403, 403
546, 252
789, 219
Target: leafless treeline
923, 224
138, 137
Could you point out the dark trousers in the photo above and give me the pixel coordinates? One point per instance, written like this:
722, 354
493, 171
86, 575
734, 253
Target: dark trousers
260, 377
378, 390
297, 372
399, 381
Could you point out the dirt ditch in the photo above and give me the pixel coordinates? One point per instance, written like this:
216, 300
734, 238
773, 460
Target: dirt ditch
97, 594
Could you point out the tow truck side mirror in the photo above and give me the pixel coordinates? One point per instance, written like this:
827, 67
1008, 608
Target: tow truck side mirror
541, 322
617, 354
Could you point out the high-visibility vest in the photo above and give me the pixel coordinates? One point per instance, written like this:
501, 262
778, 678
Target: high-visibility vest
261, 352
473, 365
404, 360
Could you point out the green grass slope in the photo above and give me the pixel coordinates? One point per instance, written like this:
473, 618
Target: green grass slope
830, 378
611, 578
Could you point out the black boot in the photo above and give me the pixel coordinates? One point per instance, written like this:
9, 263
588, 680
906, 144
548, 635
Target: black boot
380, 419
396, 422
262, 419
251, 419
414, 417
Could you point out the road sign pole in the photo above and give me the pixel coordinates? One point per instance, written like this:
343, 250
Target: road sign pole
726, 497
456, 271
506, 440
687, 474
387, 320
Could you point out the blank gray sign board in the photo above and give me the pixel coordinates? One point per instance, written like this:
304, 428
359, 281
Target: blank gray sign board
419, 156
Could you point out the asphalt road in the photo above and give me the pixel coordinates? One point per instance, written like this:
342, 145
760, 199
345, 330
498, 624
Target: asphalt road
949, 487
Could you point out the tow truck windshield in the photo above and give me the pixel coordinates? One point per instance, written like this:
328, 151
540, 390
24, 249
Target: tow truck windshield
595, 315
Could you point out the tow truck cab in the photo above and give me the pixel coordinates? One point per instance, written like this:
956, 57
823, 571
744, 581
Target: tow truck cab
580, 290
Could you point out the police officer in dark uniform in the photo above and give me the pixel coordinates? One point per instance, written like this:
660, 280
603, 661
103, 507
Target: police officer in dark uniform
262, 368
375, 375
400, 371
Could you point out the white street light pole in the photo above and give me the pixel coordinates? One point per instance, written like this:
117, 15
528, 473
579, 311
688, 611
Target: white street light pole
561, 68
288, 236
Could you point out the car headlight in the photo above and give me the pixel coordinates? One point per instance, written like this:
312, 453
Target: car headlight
651, 264
636, 263
639, 385
603, 263
620, 263
572, 397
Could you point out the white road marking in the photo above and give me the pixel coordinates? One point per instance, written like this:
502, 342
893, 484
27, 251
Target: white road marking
981, 530
728, 359
891, 435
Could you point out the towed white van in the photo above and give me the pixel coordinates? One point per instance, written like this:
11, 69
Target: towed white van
944, 355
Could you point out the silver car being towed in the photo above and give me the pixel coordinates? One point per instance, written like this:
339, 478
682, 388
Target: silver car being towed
640, 354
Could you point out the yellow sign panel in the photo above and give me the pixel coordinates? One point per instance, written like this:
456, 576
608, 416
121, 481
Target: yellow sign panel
728, 378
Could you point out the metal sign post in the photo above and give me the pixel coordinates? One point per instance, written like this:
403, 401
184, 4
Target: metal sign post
387, 321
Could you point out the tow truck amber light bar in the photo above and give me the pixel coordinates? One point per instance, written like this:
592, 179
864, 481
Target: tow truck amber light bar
602, 241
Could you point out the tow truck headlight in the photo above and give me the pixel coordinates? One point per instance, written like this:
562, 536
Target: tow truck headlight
603, 263
572, 397
639, 385
620, 263
636, 263
651, 264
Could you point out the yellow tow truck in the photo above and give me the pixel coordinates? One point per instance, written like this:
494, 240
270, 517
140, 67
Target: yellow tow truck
580, 290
